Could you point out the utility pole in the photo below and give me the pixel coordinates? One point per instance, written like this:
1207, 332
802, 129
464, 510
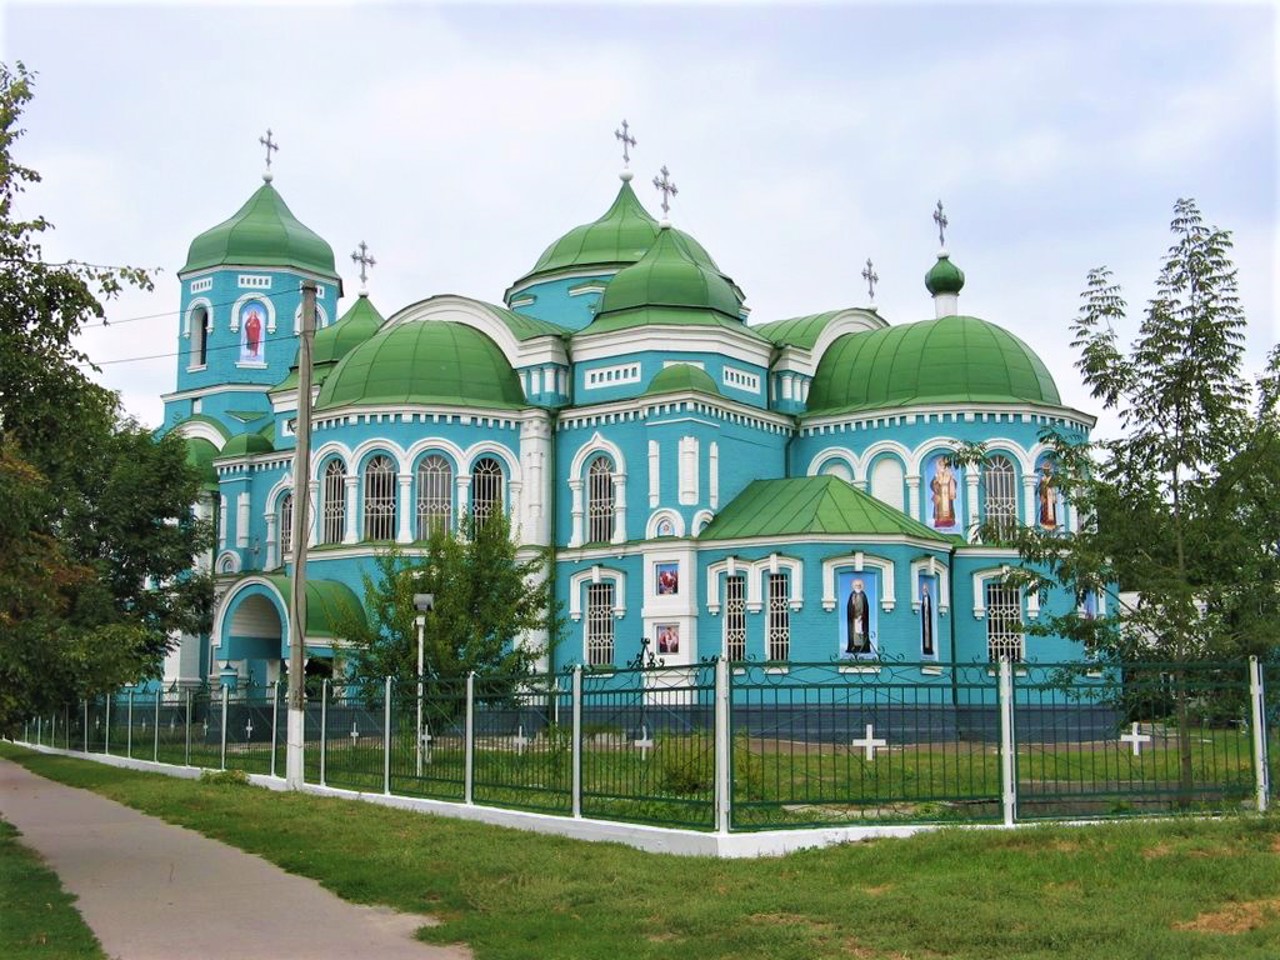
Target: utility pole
296, 733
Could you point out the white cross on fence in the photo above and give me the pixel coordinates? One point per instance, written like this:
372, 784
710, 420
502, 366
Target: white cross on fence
144, 724
869, 743
645, 742
248, 729
520, 740
173, 724
1136, 738
426, 739
354, 734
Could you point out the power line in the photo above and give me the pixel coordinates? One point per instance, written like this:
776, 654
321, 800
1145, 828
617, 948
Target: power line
178, 353
176, 313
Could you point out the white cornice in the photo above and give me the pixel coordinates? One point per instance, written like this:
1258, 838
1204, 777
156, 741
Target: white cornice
722, 341
217, 388
967, 411
642, 404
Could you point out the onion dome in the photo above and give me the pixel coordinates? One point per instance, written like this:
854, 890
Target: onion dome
353, 328
949, 360
246, 444
263, 233
668, 286
682, 378
426, 362
944, 276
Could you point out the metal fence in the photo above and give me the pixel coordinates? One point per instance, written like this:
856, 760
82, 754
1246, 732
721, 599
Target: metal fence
746, 746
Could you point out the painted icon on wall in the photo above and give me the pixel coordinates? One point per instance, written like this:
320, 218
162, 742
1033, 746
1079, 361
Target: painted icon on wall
858, 593
1047, 496
667, 577
253, 322
668, 637
942, 481
927, 597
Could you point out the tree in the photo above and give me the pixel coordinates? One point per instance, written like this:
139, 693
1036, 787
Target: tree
1181, 508
96, 534
485, 601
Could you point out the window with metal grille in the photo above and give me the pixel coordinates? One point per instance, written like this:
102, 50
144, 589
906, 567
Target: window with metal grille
735, 617
600, 624
435, 495
380, 499
200, 339
600, 501
1004, 621
779, 628
335, 502
1000, 504
286, 526
486, 489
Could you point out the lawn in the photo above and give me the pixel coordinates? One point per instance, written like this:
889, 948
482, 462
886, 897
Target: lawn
1176, 889
38, 918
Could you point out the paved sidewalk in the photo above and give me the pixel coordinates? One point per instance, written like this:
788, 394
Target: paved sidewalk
153, 891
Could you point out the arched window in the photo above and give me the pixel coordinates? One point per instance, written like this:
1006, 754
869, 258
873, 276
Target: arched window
600, 501
380, 499
335, 502
486, 489
435, 495
778, 646
286, 527
199, 337
735, 617
1000, 504
1004, 621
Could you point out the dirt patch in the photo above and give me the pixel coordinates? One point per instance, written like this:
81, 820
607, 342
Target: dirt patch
1161, 849
790, 920
1235, 917
1275, 843
878, 891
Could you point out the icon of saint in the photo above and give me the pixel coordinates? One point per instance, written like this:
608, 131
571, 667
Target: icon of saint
857, 614
943, 492
1048, 497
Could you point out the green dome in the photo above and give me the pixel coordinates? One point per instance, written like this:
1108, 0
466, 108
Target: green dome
200, 454
432, 362
263, 233
245, 444
950, 360
944, 276
681, 378
352, 329
621, 236
668, 276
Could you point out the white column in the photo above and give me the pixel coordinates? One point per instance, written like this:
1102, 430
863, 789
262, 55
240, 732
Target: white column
222, 523
535, 448
576, 511
688, 470
270, 517
1029, 500
349, 527
913, 496
404, 505
313, 515
619, 508
971, 501
655, 475
515, 487
242, 519
464, 498
713, 475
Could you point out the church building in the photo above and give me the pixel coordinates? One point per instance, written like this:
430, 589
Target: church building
781, 491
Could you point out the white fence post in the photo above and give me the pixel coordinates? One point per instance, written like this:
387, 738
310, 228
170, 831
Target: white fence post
106, 728
275, 705
724, 760
324, 725
386, 738
128, 737
155, 744
223, 754
1258, 704
469, 736
1008, 780
186, 729
86, 726
576, 746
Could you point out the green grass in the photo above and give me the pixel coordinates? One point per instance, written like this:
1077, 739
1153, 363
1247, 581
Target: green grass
38, 918
1118, 891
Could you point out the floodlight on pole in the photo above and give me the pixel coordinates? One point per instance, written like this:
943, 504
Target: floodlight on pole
425, 603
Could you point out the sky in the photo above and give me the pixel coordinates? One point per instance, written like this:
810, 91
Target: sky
458, 141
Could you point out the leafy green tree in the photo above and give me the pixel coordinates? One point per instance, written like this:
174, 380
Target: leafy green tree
485, 601
96, 535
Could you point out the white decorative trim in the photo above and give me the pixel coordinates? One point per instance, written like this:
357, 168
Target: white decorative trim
980, 578
322, 318
228, 562
701, 365
859, 561
740, 380
267, 305
200, 430
820, 459
253, 281
192, 307
677, 523
614, 376
655, 474
200, 286
755, 571
687, 465
700, 521
595, 574
932, 567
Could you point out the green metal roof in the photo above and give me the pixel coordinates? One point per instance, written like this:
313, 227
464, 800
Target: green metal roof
950, 360
424, 362
798, 331
200, 454
621, 236
944, 276
205, 418
680, 378
809, 506
329, 604
523, 327
265, 233
245, 444
352, 329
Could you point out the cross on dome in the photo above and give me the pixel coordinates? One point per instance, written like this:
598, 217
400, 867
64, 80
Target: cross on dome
361, 256
271, 146
628, 141
869, 274
667, 189
941, 220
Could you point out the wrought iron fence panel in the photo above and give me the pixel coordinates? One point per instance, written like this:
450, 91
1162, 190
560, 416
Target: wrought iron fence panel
97, 725
1271, 712
251, 713
1096, 740
353, 743
523, 753
648, 745
863, 742
430, 761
